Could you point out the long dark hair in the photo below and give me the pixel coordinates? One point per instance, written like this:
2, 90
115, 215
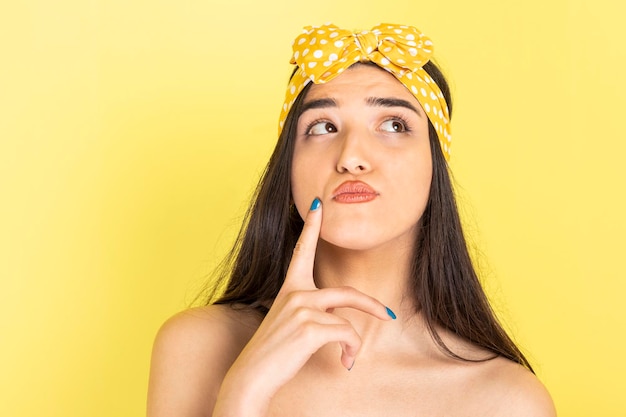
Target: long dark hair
446, 288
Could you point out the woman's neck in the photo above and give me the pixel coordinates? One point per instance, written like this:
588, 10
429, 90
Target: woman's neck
383, 273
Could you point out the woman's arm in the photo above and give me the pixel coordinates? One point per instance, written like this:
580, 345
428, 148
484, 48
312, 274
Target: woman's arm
216, 361
192, 352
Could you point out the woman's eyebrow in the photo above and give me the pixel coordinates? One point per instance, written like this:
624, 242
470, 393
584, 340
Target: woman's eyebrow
320, 103
391, 102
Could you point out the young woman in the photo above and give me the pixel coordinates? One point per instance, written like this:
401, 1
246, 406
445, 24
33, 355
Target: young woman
351, 290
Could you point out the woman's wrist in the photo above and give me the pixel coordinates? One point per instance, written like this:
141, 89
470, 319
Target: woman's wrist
241, 396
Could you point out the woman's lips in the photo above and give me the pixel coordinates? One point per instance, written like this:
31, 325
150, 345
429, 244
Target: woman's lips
354, 192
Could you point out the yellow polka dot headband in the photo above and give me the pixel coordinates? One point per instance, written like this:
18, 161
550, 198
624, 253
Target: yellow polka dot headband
324, 52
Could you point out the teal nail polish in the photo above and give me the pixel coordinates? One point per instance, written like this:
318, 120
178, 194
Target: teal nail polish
391, 313
316, 204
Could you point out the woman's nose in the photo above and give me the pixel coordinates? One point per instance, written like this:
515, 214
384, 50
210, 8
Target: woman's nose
353, 156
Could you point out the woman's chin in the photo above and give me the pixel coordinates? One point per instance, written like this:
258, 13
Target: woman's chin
352, 241
364, 237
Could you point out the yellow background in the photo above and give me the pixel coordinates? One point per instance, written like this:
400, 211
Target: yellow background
131, 133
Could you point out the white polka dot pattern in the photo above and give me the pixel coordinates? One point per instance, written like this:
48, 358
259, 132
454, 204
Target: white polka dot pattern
323, 52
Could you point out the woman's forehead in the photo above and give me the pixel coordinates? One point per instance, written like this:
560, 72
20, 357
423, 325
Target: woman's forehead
361, 80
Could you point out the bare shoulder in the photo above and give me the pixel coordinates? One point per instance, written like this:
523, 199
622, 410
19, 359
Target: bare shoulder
208, 321
192, 352
519, 391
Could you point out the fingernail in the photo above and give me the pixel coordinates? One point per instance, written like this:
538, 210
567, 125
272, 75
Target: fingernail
391, 313
351, 366
316, 204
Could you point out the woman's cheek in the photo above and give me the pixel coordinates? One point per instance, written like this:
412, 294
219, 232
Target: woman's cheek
306, 184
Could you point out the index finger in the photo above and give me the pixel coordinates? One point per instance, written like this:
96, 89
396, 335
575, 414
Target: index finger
300, 272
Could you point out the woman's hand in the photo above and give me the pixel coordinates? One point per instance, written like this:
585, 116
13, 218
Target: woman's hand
298, 324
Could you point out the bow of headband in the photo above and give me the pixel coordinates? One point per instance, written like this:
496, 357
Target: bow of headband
323, 52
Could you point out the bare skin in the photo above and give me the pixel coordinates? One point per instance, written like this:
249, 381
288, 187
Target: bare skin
401, 374
327, 344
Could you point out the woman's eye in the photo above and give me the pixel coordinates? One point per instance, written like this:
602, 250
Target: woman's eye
321, 128
393, 126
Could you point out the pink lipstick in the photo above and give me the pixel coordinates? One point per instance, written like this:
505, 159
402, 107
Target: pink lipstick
354, 192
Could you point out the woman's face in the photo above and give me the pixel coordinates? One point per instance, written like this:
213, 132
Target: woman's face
362, 147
